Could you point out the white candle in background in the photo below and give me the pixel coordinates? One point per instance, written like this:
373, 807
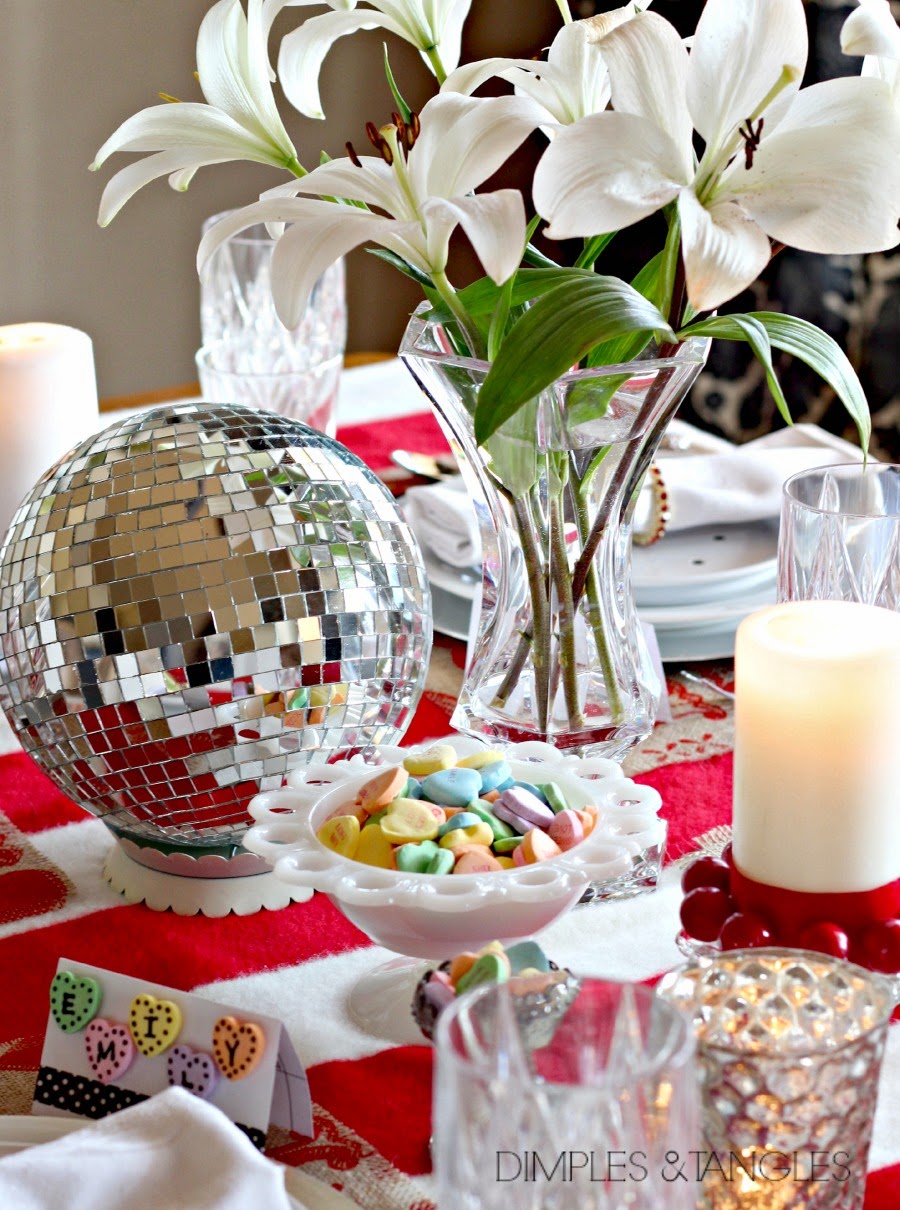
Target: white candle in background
48, 403
817, 746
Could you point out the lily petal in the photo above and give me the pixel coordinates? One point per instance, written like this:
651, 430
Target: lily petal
724, 250
648, 71
303, 52
127, 181
871, 30
741, 48
374, 183
464, 140
184, 125
449, 29
607, 171
494, 222
825, 181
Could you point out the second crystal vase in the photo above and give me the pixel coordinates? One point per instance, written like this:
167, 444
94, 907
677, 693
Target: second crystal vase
560, 655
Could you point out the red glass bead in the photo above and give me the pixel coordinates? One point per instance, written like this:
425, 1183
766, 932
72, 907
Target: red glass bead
825, 938
881, 947
704, 911
744, 930
706, 871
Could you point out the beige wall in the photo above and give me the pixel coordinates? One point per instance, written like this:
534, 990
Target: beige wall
70, 71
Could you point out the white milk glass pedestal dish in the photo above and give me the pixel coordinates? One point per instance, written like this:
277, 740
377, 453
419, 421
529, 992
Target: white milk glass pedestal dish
434, 917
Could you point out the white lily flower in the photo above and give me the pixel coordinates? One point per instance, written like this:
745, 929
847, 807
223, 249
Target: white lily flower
573, 80
425, 193
434, 27
240, 120
807, 168
871, 30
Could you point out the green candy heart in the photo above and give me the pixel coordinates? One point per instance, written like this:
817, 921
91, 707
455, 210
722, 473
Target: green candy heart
416, 858
442, 862
556, 800
74, 1000
376, 818
506, 844
490, 968
501, 830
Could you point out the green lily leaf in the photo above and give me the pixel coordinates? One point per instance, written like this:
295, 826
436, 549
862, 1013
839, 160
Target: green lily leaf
554, 334
816, 349
405, 267
402, 107
593, 248
747, 328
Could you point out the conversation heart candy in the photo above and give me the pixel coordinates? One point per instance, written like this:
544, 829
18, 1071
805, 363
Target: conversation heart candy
109, 1048
489, 968
554, 797
532, 789
413, 788
432, 760
452, 787
567, 830
375, 849
507, 844
415, 858
341, 835
527, 955
155, 1024
505, 863
501, 830
383, 788
409, 819
537, 846
588, 820
439, 813
74, 1000
478, 760
460, 964
478, 834
494, 776
238, 1047
442, 862
518, 803
477, 863
192, 1070
461, 819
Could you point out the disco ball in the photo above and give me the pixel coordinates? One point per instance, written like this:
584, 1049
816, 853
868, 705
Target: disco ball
195, 601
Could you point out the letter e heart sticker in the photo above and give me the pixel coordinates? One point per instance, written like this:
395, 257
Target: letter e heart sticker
237, 1046
155, 1024
74, 1001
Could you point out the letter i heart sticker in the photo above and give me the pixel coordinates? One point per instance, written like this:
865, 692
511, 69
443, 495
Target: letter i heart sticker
155, 1024
74, 1001
237, 1047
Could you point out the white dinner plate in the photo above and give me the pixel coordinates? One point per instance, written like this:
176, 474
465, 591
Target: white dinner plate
18, 1131
451, 614
680, 617
706, 563
683, 645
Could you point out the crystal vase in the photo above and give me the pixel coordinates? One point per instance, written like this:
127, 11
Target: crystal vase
560, 655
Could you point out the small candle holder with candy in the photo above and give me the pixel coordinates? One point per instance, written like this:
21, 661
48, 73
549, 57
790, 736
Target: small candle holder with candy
442, 849
724, 909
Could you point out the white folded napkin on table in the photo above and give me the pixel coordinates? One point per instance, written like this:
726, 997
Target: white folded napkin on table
744, 482
443, 519
172, 1151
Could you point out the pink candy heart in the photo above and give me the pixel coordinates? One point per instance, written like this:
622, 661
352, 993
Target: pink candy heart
110, 1049
192, 1069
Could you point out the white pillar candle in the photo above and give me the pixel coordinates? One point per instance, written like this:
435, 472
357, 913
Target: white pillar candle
48, 403
817, 746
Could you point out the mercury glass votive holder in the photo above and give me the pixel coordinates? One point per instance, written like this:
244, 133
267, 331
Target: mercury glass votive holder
789, 1047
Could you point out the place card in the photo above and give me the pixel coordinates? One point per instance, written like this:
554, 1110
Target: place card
113, 1041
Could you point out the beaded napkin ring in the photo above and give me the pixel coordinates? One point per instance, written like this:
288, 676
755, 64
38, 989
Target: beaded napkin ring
659, 509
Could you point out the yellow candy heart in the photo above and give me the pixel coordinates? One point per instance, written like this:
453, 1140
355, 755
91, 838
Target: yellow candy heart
408, 819
432, 760
506, 863
154, 1024
374, 848
478, 760
341, 835
478, 833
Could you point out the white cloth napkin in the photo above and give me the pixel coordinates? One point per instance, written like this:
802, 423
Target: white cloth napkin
443, 519
743, 483
172, 1152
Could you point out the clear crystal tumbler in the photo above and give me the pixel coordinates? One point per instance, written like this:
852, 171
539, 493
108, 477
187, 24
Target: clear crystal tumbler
248, 356
790, 1046
840, 535
551, 1105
